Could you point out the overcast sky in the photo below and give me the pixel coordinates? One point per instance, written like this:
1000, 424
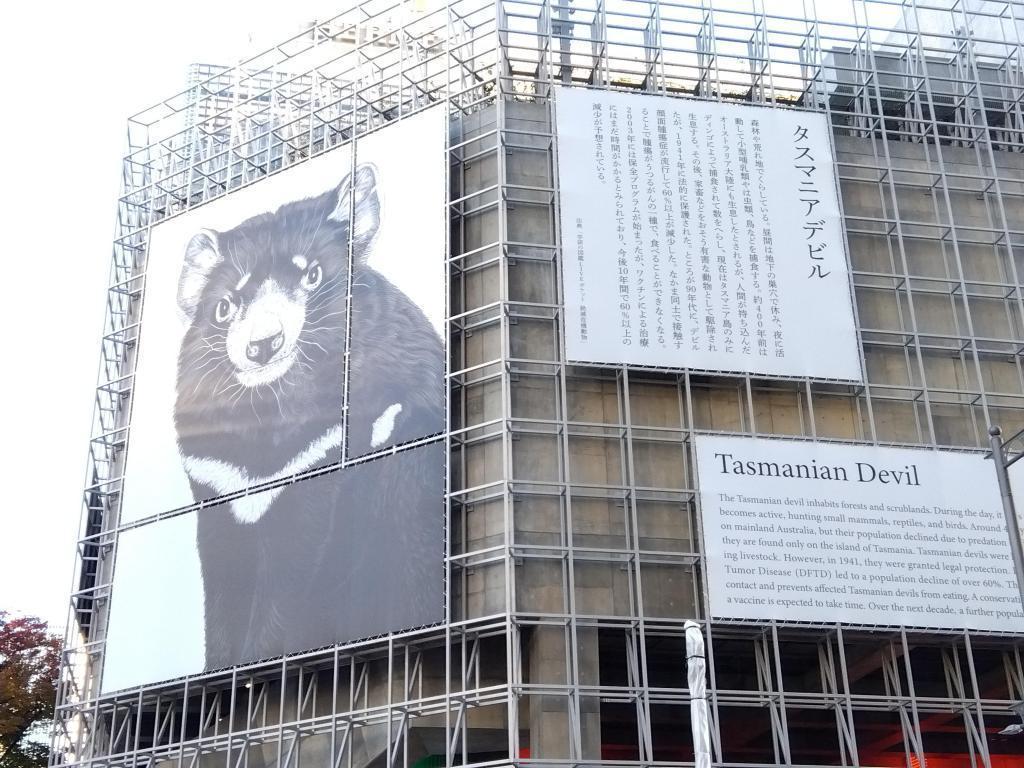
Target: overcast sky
73, 73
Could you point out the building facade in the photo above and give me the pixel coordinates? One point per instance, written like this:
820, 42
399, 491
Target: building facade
575, 538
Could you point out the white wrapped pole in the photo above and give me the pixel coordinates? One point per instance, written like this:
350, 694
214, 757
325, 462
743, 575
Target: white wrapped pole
695, 675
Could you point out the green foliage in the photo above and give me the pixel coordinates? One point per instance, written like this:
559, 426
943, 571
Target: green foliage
29, 663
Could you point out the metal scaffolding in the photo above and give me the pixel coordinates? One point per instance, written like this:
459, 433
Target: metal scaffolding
574, 554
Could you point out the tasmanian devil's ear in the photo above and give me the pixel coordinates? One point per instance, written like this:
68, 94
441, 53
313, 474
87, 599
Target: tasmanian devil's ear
201, 256
358, 200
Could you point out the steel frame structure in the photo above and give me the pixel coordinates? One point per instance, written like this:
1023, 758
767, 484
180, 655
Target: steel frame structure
574, 547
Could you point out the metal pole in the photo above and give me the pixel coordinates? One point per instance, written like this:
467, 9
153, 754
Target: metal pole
696, 679
995, 441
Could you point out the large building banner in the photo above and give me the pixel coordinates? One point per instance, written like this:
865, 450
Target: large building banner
286, 473
805, 531
702, 235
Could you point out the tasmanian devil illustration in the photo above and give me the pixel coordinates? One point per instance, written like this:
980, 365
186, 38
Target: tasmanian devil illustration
261, 396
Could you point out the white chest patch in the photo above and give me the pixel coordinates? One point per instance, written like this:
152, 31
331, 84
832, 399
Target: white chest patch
384, 425
225, 477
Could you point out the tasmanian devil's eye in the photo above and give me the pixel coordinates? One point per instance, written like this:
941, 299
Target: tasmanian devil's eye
312, 277
224, 310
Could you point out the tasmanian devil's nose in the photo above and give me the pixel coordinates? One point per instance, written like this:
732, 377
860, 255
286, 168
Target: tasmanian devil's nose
260, 351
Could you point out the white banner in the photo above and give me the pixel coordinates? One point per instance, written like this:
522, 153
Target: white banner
702, 235
803, 531
291, 326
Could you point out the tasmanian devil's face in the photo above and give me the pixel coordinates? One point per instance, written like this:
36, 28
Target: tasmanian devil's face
266, 300
261, 318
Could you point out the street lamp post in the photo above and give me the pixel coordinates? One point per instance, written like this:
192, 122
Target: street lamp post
1003, 462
